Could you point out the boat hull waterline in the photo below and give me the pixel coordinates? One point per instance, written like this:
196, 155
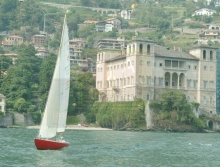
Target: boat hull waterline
45, 144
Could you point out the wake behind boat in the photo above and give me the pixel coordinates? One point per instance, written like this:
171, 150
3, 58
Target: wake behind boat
55, 113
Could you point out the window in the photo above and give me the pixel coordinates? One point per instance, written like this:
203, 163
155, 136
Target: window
188, 83
205, 84
195, 84
211, 83
211, 55
204, 55
160, 81
161, 64
148, 49
205, 67
195, 67
148, 63
114, 67
129, 63
189, 66
148, 97
204, 100
141, 49
118, 67
128, 80
0, 100
148, 80
132, 62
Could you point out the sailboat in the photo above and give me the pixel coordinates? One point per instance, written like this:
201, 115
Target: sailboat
54, 120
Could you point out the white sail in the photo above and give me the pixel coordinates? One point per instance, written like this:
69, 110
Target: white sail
64, 79
57, 102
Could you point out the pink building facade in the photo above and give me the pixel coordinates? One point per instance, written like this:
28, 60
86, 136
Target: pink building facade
145, 70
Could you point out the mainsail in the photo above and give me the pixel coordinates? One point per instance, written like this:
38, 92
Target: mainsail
55, 112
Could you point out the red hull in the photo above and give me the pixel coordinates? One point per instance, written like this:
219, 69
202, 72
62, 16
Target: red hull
43, 144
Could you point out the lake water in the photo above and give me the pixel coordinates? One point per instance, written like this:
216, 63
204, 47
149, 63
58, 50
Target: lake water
112, 149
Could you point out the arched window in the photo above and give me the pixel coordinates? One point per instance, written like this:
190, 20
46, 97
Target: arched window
130, 49
141, 49
148, 49
211, 55
204, 55
134, 48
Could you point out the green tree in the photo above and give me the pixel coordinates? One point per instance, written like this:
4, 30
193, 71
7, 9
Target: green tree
45, 77
82, 92
20, 78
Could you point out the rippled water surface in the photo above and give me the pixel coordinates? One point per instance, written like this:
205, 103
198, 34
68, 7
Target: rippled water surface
112, 148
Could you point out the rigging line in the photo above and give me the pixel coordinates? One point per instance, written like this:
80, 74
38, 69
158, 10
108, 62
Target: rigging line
66, 42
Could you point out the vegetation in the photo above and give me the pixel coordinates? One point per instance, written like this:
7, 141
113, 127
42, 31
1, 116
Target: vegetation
21, 81
172, 110
119, 115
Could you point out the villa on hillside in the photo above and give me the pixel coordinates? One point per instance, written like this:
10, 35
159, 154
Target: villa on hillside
115, 22
103, 26
38, 40
145, 70
209, 35
12, 40
214, 27
126, 14
204, 11
76, 58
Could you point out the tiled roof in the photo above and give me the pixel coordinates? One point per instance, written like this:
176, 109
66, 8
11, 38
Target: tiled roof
116, 58
15, 36
2, 96
162, 51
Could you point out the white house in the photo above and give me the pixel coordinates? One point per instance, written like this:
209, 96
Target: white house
214, 27
103, 26
126, 14
204, 11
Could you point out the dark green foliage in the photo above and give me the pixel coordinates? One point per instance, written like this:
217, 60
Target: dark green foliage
19, 81
72, 120
82, 92
117, 114
172, 109
36, 117
1, 50
45, 77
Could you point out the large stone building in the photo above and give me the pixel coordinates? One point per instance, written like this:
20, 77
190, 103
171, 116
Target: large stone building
145, 70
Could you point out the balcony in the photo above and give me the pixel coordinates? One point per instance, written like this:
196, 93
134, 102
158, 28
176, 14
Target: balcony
175, 68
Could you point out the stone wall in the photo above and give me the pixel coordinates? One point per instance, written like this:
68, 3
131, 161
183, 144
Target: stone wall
23, 119
6, 120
